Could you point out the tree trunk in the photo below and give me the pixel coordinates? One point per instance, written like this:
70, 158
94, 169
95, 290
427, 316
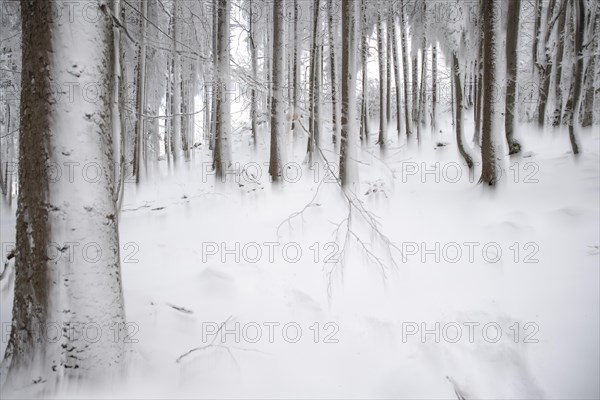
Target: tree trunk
388, 69
176, 93
253, 61
557, 115
382, 78
333, 66
587, 105
545, 67
458, 107
479, 95
512, 35
364, 120
277, 103
312, 136
140, 96
490, 61
61, 286
348, 91
296, 67
394, 44
573, 102
405, 67
223, 114
433, 86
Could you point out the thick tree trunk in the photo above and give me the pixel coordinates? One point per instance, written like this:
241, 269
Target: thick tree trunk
278, 111
348, 91
512, 35
490, 62
67, 266
223, 114
313, 99
574, 101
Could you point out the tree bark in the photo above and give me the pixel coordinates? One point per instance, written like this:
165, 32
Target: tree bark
278, 111
382, 79
512, 35
405, 68
458, 107
490, 61
58, 287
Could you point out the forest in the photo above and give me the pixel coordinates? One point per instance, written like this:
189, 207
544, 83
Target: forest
300, 198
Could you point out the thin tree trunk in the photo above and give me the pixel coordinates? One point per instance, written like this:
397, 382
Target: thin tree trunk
512, 35
394, 44
433, 86
364, 120
333, 66
557, 115
405, 67
253, 105
296, 67
382, 79
176, 94
458, 107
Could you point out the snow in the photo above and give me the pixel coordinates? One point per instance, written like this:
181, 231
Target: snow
176, 289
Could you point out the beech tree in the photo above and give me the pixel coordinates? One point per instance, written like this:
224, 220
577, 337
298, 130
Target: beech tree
57, 216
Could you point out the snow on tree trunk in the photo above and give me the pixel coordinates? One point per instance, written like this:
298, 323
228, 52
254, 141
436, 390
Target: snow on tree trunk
558, 99
405, 68
140, 96
68, 314
313, 96
333, 66
574, 100
382, 79
458, 107
277, 103
396, 60
512, 35
221, 158
490, 66
348, 177
176, 94
364, 119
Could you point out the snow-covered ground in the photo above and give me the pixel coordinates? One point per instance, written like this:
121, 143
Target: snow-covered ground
418, 319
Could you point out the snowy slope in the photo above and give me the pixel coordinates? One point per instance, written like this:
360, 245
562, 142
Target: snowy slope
543, 292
